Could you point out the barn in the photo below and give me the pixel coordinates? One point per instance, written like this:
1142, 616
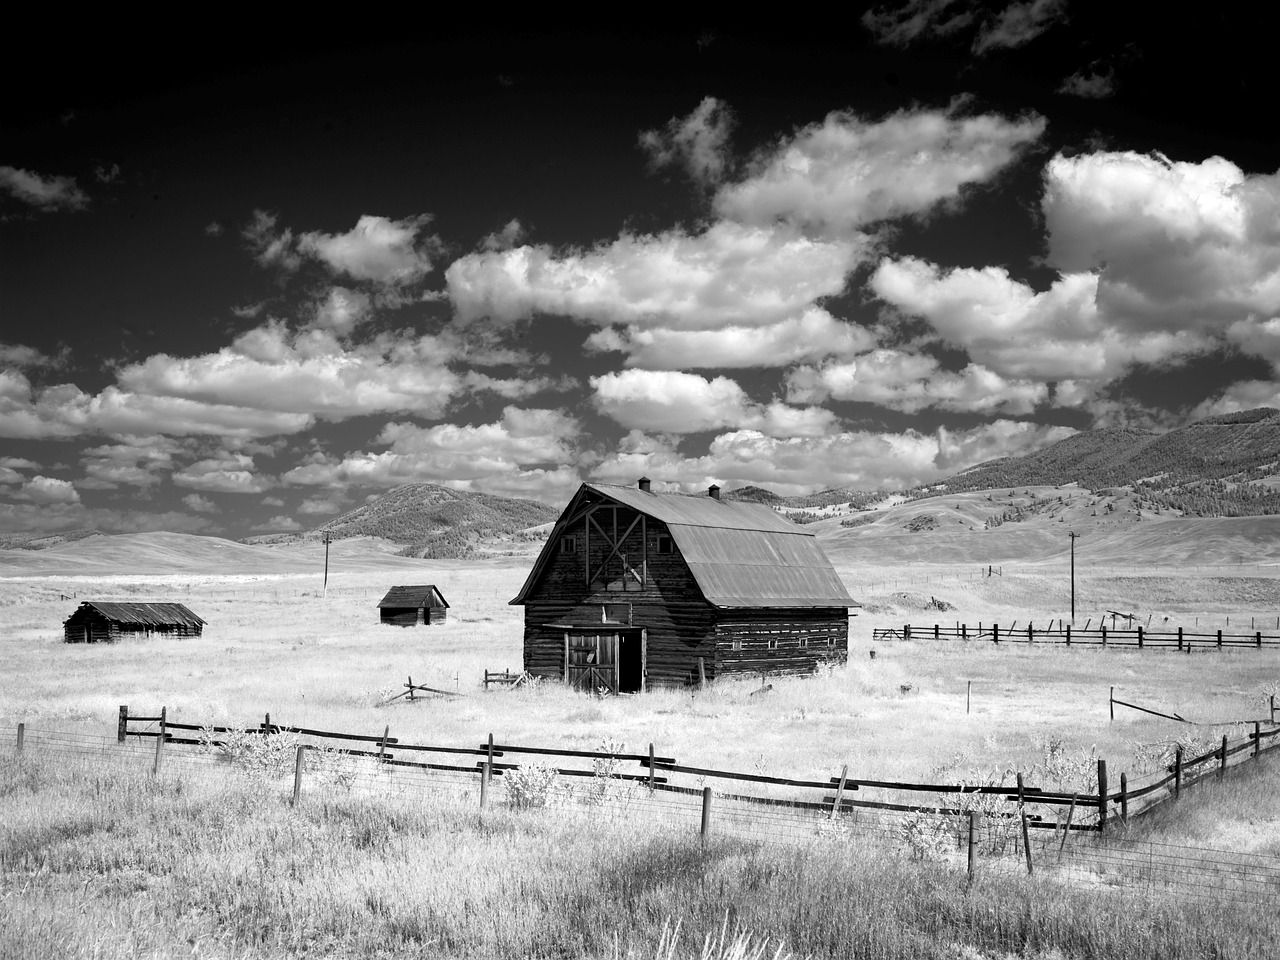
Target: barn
635, 588
98, 620
412, 605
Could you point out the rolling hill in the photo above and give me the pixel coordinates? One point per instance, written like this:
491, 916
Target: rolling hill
436, 522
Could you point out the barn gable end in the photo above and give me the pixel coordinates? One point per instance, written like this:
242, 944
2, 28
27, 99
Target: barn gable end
98, 620
408, 606
635, 588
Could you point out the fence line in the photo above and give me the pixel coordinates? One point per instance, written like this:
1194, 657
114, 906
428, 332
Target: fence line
1069, 635
984, 843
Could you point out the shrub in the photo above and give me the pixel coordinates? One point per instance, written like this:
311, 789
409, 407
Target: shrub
532, 786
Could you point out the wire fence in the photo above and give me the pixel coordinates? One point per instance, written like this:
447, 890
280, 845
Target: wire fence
990, 844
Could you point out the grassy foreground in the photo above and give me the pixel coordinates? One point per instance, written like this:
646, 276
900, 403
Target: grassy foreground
104, 864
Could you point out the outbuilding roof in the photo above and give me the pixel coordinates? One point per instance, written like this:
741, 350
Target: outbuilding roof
144, 614
420, 595
741, 554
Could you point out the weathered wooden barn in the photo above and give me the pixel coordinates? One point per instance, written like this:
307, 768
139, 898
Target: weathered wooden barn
636, 588
412, 605
99, 620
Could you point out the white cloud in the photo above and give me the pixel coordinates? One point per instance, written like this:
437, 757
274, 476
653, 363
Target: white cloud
728, 275
1090, 83
1258, 338
913, 382
377, 248
43, 192
41, 489
200, 504
669, 401
279, 524
269, 247
340, 310
1178, 246
224, 473
796, 465
516, 388
512, 233
9, 475
520, 454
810, 336
846, 173
21, 356
1008, 328
319, 505
699, 142
19, 463
28, 413
1245, 395
1018, 24
903, 23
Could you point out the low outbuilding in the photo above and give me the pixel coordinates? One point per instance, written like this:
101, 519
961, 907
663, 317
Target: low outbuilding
411, 605
101, 620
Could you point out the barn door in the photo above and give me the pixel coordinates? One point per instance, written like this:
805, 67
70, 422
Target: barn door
591, 661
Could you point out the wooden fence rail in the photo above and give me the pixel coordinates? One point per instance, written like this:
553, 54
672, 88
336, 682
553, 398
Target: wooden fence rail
837, 794
1067, 635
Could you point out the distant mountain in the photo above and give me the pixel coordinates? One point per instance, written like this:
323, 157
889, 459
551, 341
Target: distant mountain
436, 522
1225, 466
752, 494
42, 541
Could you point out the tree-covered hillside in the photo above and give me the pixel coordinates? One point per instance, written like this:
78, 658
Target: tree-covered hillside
434, 521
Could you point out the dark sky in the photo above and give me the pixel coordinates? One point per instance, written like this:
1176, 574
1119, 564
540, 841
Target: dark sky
250, 278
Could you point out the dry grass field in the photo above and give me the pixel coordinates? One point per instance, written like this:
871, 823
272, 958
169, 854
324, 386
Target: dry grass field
275, 644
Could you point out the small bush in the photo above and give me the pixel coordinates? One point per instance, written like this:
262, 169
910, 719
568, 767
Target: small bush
532, 786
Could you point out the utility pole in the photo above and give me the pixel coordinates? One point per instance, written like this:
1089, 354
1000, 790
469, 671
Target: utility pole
1073, 536
328, 538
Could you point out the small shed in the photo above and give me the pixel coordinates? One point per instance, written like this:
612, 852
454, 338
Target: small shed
412, 605
99, 620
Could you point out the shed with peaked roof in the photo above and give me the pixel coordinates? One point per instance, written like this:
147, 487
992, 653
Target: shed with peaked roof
100, 620
636, 588
412, 605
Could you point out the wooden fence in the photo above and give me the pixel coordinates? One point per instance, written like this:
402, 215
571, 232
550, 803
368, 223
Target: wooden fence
1137, 637
1037, 808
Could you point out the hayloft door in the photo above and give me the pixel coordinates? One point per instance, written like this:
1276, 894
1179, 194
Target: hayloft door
591, 661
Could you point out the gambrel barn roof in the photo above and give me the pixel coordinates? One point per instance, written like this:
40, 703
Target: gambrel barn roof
421, 595
142, 614
740, 554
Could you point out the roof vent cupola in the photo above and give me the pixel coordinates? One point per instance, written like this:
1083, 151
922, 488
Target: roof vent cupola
643, 484
713, 492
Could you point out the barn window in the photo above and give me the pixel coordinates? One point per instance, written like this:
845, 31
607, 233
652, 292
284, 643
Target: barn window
804, 642
773, 644
831, 641
568, 544
737, 645
615, 613
665, 544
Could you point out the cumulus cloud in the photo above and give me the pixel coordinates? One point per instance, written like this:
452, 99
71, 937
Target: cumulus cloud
1176, 245
313, 506
45, 193
28, 413
846, 173
522, 454
200, 504
668, 401
377, 248
279, 524
913, 382
729, 274
9, 475
341, 309
812, 335
270, 247
41, 489
1019, 24
23, 357
509, 236
699, 142
797, 465
517, 388
226, 472
134, 461
1007, 327
1094, 82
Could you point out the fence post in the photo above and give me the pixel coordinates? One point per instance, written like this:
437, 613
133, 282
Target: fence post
1179, 639
1257, 637
706, 812
266, 724
1066, 830
651, 768
1139, 636
1273, 708
1257, 739
968, 692
297, 773
489, 757
964, 631
122, 727
1026, 839
1177, 771
906, 631
995, 633
1068, 634
382, 747
835, 804
1111, 702
22, 729
1102, 795
1104, 634
411, 698
484, 785
1219, 638
1124, 797
973, 843
1222, 763
155, 766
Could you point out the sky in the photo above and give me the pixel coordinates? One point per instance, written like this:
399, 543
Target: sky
252, 279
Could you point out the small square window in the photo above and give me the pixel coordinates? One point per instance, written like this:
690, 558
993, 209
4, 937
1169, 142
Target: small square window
568, 544
666, 544
773, 644
804, 642
615, 613
737, 645
831, 641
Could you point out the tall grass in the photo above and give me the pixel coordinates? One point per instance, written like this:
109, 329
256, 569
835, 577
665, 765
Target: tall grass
94, 863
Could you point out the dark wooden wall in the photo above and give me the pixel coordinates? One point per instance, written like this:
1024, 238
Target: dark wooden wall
755, 627
102, 630
412, 616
